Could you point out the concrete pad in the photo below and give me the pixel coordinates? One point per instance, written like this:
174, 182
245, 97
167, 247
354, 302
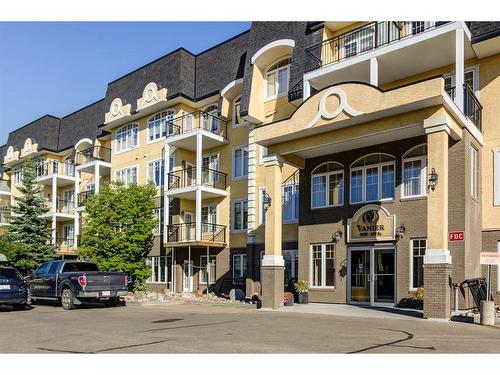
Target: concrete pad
352, 311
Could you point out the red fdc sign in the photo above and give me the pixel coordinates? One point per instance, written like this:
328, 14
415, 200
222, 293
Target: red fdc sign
456, 236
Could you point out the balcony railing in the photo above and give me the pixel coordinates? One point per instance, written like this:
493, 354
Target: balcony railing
363, 39
55, 167
63, 206
296, 92
93, 153
187, 177
84, 195
472, 107
5, 215
65, 243
197, 120
187, 232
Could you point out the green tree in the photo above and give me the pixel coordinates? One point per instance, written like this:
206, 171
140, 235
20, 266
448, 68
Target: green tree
117, 231
29, 229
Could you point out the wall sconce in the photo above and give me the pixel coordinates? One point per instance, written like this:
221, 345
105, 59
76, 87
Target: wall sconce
400, 231
337, 236
433, 179
267, 201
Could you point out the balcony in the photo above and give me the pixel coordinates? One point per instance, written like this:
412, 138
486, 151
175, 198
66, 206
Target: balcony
5, 215
473, 109
91, 154
182, 130
185, 235
65, 245
64, 207
83, 196
65, 172
182, 183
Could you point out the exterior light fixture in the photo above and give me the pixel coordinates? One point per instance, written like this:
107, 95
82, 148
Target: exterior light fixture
267, 201
433, 179
400, 231
337, 236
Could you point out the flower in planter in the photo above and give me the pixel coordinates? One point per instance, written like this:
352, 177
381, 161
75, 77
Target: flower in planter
287, 296
301, 286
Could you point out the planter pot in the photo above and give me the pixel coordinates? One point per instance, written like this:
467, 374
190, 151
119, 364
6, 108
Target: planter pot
288, 302
303, 298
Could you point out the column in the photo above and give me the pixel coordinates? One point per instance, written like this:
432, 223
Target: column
97, 177
252, 209
199, 182
54, 209
374, 71
306, 90
273, 265
437, 259
459, 68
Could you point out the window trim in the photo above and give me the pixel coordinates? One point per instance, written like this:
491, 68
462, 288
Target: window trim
148, 141
233, 229
423, 176
244, 176
411, 287
323, 266
268, 71
327, 190
136, 166
131, 125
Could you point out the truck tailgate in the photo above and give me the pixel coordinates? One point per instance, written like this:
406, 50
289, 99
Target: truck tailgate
106, 281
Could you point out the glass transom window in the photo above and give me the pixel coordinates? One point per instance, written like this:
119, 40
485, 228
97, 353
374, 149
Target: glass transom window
373, 178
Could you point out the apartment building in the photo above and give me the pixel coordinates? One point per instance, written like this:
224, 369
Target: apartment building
342, 153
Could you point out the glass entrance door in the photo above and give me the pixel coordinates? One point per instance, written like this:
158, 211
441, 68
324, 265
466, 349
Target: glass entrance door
372, 276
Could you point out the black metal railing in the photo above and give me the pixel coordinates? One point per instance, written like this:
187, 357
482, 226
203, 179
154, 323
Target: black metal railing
363, 39
472, 107
55, 167
296, 92
186, 232
197, 120
187, 177
93, 153
84, 195
5, 215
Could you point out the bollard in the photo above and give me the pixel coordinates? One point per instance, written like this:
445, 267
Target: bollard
487, 313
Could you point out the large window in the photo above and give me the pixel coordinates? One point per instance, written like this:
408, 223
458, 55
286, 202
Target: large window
203, 270
159, 125
208, 217
240, 162
239, 266
240, 215
277, 77
417, 252
127, 137
415, 172
327, 185
156, 172
474, 166
159, 267
127, 175
373, 178
323, 265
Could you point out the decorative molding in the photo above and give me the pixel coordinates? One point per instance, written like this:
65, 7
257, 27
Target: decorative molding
29, 147
11, 155
151, 95
437, 256
117, 110
440, 123
277, 43
230, 86
273, 261
343, 106
271, 160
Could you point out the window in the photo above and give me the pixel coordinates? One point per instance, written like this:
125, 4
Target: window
127, 175
277, 78
470, 78
240, 215
359, 41
290, 209
159, 220
240, 162
159, 269
210, 120
42, 270
239, 266
127, 137
160, 125
171, 163
156, 172
327, 185
209, 218
210, 168
17, 175
474, 166
323, 265
237, 120
415, 172
417, 252
203, 269
373, 178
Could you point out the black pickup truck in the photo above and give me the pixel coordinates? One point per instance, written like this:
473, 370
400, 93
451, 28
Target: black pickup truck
72, 282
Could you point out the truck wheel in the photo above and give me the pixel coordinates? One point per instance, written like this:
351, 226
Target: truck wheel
67, 299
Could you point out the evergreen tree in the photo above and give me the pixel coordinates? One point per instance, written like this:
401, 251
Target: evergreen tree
118, 228
29, 229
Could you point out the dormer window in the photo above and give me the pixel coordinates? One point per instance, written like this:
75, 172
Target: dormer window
277, 78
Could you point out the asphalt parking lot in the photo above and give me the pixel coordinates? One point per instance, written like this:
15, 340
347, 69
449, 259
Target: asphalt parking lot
137, 328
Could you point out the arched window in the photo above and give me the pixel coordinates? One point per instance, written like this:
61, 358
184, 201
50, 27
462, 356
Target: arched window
277, 77
127, 137
415, 172
159, 125
373, 178
210, 119
327, 185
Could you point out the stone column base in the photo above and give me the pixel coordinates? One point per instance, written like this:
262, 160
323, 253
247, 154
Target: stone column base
273, 281
437, 290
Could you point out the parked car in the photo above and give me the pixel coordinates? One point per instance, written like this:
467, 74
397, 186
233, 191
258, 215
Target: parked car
72, 282
13, 288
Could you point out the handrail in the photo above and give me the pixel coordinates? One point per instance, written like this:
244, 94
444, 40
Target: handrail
197, 120
296, 92
184, 232
84, 195
187, 177
93, 153
472, 108
55, 167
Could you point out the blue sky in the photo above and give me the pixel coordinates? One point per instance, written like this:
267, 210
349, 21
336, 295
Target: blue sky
57, 68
